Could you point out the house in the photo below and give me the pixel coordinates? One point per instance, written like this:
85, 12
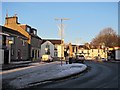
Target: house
87, 52
13, 45
92, 52
33, 41
52, 47
48, 48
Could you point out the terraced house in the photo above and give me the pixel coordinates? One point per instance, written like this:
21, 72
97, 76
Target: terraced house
12, 47
33, 41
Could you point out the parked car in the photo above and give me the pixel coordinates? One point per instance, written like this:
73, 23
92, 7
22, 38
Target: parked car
104, 59
88, 58
46, 58
80, 58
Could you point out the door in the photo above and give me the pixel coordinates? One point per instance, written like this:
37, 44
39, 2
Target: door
6, 56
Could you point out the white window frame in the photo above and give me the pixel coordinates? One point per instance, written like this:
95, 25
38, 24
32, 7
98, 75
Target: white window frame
23, 42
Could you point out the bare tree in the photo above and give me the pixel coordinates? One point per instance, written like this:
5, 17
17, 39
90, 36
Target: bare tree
107, 36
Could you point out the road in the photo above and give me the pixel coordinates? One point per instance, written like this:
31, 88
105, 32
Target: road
100, 75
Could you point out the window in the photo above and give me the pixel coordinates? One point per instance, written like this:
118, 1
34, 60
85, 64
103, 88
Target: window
35, 32
28, 29
47, 49
11, 40
55, 47
23, 42
48, 46
32, 53
12, 52
73, 49
55, 54
4, 40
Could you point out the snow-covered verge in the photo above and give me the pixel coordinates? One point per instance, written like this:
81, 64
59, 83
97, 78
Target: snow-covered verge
45, 72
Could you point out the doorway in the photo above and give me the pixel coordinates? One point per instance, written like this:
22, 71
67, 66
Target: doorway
6, 56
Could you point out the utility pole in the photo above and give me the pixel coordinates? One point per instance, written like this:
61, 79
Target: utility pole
62, 42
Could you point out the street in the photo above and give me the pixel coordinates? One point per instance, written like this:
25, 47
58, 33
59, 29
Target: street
100, 75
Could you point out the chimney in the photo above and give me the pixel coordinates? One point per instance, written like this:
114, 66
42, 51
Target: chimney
11, 20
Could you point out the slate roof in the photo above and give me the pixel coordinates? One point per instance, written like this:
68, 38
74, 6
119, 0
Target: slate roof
36, 36
53, 41
12, 32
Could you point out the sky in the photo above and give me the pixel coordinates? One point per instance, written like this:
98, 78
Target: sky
86, 19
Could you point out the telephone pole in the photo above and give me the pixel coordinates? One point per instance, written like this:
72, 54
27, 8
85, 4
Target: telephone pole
62, 38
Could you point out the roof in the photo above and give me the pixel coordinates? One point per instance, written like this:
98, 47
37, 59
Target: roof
83, 46
36, 36
74, 45
12, 32
53, 41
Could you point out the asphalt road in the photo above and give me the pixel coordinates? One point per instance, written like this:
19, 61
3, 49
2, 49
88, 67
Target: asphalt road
100, 75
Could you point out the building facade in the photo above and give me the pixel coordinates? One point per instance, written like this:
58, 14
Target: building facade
88, 53
52, 47
33, 42
12, 45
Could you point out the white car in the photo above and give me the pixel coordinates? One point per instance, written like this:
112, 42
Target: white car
46, 58
88, 58
80, 58
103, 59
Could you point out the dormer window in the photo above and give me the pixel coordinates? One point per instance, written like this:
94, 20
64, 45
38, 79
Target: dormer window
28, 29
35, 32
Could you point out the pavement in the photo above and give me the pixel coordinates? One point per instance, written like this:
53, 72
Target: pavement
38, 73
17, 64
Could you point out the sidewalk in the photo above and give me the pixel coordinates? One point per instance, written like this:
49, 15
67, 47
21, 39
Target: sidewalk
17, 64
41, 73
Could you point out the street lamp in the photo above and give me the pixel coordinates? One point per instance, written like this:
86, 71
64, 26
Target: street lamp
61, 28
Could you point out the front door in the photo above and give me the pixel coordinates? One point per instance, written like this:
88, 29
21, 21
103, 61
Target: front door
6, 56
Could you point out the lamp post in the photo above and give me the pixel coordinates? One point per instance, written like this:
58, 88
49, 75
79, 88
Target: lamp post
61, 28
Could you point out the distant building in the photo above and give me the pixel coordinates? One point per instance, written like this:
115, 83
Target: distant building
88, 52
52, 47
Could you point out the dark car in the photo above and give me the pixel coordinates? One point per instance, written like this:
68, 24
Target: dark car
80, 58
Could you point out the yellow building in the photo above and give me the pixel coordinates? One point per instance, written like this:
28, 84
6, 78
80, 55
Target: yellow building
89, 53
12, 22
34, 41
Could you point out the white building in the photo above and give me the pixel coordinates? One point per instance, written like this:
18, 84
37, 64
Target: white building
47, 48
52, 47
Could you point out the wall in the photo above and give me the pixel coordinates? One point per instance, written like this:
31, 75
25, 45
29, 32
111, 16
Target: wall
36, 46
18, 45
59, 50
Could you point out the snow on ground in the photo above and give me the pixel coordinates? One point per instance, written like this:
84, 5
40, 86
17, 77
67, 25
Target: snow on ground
70, 69
23, 78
